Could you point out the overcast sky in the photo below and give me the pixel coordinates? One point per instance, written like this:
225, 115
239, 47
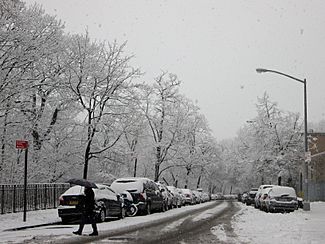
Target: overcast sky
214, 48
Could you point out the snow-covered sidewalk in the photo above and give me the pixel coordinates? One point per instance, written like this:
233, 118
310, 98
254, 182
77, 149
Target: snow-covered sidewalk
254, 226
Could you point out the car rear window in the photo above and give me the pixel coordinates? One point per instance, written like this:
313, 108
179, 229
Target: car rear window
75, 190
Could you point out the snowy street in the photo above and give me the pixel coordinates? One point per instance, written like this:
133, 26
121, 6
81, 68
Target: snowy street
212, 222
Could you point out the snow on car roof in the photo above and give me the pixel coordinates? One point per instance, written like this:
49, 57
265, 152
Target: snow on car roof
186, 190
265, 190
282, 190
79, 190
128, 184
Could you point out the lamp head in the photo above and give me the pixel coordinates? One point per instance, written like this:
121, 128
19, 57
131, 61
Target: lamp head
260, 70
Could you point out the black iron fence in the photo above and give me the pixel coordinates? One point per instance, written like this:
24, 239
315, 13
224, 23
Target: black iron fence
39, 196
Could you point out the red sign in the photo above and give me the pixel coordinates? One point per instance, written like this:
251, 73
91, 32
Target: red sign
21, 144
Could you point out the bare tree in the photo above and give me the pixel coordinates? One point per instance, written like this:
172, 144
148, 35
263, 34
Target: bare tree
97, 76
160, 109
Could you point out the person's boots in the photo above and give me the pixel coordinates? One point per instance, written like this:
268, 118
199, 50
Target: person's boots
95, 232
79, 231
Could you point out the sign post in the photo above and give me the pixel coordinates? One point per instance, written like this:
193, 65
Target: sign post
21, 144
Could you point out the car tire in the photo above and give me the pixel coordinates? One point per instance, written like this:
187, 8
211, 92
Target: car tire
132, 211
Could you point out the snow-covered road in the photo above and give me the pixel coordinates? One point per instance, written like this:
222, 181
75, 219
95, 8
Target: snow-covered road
248, 225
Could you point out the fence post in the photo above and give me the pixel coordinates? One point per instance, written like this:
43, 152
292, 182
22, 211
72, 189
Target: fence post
2, 199
45, 194
54, 196
14, 200
35, 197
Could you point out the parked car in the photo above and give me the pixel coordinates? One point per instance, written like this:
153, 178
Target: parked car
258, 195
262, 198
281, 198
183, 197
145, 193
230, 197
219, 196
108, 203
244, 197
189, 196
177, 198
167, 196
251, 196
205, 197
197, 196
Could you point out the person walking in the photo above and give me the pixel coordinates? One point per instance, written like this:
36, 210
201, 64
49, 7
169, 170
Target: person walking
88, 213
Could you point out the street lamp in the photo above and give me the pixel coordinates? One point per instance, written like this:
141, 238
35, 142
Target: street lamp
304, 81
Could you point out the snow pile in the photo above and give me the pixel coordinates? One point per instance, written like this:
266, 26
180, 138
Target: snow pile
254, 226
219, 231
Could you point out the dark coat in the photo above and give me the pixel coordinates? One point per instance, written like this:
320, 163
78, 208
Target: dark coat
89, 203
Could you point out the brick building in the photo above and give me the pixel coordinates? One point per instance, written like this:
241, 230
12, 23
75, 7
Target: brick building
316, 167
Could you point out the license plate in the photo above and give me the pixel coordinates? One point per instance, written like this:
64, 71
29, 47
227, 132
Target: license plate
73, 202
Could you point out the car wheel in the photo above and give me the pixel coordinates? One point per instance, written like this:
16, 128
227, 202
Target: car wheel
132, 211
102, 215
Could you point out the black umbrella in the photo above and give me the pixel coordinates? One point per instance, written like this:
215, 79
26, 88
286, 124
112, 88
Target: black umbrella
82, 182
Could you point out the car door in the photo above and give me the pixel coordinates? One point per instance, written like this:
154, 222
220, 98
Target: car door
115, 202
109, 200
157, 196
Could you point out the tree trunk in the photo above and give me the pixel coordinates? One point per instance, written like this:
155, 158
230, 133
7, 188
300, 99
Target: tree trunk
158, 162
135, 167
157, 167
3, 138
188, 171
89, 140
198, 182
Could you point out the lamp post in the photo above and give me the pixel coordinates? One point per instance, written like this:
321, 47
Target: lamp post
304, 82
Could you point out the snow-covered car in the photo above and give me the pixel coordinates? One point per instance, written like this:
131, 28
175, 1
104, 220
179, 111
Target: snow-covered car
220, 196
258, 195
145, 193
251, 196
108, 203
189, 196
177, 198
281, 198
264, 194
167, 196
243, 197
197, 196
205, 197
